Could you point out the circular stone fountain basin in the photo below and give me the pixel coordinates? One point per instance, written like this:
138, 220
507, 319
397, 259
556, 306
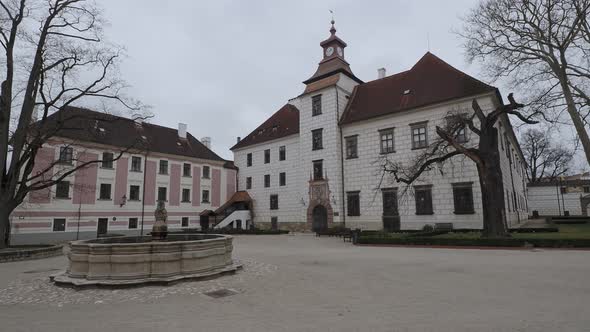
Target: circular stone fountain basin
138, 260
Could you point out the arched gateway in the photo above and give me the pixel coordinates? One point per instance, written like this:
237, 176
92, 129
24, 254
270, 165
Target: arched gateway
320, 218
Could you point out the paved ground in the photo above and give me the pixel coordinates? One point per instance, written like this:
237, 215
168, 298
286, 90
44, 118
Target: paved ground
304, 283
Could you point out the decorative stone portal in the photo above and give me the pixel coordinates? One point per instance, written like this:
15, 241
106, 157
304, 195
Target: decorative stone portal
320, 214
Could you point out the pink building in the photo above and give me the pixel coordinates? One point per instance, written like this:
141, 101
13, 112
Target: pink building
141, 163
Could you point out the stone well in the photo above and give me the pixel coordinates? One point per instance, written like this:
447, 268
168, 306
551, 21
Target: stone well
138, 260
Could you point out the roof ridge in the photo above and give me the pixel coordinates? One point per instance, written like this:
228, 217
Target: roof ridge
452, 67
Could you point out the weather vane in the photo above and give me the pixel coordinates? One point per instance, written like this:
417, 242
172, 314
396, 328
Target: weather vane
332, 12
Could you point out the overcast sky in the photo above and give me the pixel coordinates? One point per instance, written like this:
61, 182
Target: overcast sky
223, 67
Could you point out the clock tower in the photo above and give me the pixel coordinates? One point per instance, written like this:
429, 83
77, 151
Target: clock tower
333, 59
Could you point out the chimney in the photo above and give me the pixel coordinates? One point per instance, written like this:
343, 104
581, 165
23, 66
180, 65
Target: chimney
182, 130
381, 73
238, 139
206, 142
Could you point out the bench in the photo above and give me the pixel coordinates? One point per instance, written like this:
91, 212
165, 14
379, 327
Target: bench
443, 226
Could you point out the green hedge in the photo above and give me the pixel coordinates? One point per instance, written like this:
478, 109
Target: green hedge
253, 231
479, 242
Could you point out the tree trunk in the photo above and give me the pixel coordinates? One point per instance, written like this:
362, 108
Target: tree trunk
575, 116
4, 226
492, 186
492, 199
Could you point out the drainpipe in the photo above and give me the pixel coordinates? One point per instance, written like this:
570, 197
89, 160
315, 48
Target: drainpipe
343, 211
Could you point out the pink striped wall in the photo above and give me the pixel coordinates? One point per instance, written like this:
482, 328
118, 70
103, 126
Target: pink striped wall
196, 186
45, 157
82, 223
150, 183
38, 214
32, 225
85, 180
175, 185
121, 180
216, 188
230, 183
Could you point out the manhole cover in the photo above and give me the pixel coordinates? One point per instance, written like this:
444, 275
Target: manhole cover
221, 293
41, 270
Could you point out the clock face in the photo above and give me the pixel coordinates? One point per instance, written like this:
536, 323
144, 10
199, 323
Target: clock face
339, 50
329, 51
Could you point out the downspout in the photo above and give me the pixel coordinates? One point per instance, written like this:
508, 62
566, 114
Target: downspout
343, 210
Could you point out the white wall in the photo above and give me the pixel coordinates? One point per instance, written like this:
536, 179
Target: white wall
290, 207
548, 201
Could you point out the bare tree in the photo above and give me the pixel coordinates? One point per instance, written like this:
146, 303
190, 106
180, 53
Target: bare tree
483, 151
543, 48
544, 160
54, 56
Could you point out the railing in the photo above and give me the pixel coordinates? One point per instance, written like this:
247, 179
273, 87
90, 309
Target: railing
231, 219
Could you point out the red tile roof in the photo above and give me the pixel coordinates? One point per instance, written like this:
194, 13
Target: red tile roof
429, 81
330, 67
85, 125
284, 122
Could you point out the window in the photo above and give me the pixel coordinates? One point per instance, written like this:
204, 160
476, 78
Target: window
136, 164
105, 191
206, 172
316, 105
66, 154
390, 207
386, 138
274, 223
318, 169
248, 160
266, 180
107, 160
249, 182
586, 189
134, 193
186, 169
267, 156
184, 222
282, 179
508, 201
274, 202
419, 138
461, 135
563, 190
463, 198
351, 147
282, 153
62, 189
205, 196
316, 139
162, 193
132, 223
186, 195
423, 196
353, 203
59, 225
163, 167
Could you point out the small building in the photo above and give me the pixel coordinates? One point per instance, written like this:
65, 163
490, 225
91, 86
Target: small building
140, 164
558, 197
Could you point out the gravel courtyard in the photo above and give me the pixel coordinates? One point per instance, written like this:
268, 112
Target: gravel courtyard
304, 283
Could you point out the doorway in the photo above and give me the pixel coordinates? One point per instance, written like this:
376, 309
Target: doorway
391, 220
103, 226
320, 218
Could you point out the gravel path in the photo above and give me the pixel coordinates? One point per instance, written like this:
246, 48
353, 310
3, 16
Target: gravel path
304, 283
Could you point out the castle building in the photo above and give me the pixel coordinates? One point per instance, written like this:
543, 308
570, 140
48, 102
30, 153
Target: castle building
314, 163
140, 164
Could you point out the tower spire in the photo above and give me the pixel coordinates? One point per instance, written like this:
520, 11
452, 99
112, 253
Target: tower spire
332, 29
